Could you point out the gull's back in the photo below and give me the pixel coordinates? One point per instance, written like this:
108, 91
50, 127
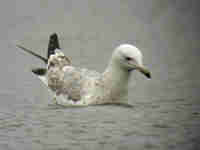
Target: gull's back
78, 81
69, 81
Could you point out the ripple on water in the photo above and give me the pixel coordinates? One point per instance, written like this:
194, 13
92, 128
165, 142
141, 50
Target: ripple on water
159, 125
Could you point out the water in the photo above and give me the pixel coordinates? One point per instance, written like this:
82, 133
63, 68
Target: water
166, 109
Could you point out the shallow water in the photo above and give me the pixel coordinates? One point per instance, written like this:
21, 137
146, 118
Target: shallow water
165, 112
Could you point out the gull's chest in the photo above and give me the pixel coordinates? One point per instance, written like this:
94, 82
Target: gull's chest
100, 92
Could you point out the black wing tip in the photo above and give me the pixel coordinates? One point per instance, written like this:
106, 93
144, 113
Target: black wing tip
54, 35
53, 44
39, 71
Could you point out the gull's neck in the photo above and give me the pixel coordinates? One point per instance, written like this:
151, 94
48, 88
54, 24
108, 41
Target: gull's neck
116, 80
116, 76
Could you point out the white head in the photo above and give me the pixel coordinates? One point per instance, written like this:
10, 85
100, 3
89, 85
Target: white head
128, 58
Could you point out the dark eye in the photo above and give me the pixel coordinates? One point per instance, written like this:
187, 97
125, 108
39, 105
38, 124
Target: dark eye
128, 58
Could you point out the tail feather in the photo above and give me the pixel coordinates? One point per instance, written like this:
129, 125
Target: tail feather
53, 44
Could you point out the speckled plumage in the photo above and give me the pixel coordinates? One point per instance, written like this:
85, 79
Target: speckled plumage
79, 86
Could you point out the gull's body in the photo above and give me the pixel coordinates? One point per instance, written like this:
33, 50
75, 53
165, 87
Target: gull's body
74, 86
79, 86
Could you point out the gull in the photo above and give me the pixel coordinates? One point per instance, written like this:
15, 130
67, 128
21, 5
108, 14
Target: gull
74, 86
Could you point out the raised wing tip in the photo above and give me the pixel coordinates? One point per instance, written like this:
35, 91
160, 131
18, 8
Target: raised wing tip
53, 44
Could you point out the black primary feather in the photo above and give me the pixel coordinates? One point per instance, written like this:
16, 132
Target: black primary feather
53, 44
39, 71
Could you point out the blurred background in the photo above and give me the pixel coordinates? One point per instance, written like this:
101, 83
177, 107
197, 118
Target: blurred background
168, 34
